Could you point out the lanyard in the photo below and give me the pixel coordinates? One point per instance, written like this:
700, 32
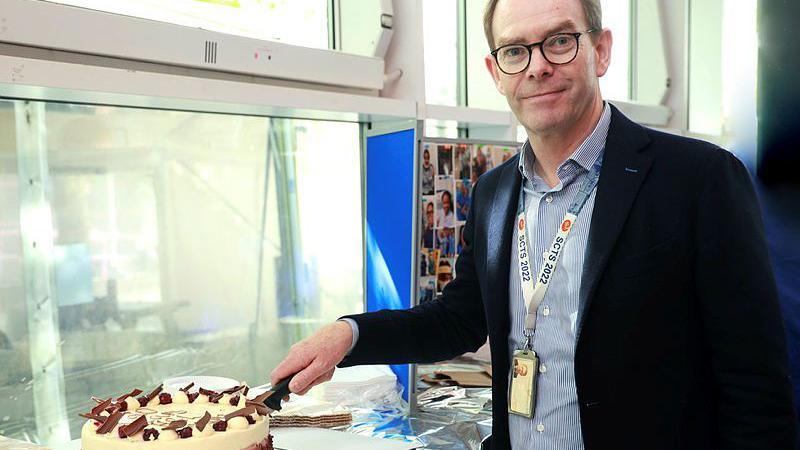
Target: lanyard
534, 293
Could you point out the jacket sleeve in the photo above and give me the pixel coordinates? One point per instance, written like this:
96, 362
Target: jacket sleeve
741, 317
441, 329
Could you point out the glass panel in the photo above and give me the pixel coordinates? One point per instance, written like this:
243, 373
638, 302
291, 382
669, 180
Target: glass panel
299, 22
184, 243
722, 102
440, 30
615, 85
650, 68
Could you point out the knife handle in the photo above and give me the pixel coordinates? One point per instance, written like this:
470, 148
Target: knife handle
280, 390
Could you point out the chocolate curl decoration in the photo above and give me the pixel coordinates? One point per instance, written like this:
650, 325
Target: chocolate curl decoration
207, 392
187, 387
246, 411
155, 392
260, 408
220, 425
134, 427
101, 407
95, 417
175, 425
110, 423
262, 397
201, 424
215, 398
132, 393
232, 390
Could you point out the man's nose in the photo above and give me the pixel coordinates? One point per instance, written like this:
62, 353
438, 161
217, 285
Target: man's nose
539, 67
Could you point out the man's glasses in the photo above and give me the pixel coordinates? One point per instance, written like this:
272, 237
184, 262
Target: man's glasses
558, 49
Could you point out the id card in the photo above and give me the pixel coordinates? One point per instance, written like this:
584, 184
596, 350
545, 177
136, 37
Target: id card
522, 396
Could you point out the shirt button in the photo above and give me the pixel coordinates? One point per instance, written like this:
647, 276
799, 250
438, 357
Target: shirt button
542, 368
549, 199
546, 311
540, 428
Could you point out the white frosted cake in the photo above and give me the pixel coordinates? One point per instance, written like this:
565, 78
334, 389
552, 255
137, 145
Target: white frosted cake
182, 420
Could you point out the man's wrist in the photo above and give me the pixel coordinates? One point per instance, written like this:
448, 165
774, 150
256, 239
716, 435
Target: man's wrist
354, 329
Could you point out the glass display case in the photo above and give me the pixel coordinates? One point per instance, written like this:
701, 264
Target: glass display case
142, 244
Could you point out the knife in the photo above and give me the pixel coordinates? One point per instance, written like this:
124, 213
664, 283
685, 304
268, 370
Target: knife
281, 390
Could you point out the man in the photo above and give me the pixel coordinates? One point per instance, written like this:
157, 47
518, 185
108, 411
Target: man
659, 327
427, 229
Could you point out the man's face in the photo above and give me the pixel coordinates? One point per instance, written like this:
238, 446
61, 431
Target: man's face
427, 157
548, 98
429, 213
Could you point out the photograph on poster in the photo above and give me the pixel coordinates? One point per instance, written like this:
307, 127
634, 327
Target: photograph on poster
462, 159
427, 213
444, 273
446, 242
460, 239
433, 261
445, 216
481, 160
501, 154
445, 159
427, 288
427, 171
463, 199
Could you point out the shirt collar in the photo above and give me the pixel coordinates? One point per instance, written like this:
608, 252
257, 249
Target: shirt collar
586, 153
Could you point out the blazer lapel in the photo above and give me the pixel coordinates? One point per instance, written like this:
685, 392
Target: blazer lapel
498, 258
624, 169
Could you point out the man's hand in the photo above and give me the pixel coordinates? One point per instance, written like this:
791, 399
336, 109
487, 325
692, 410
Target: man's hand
315, 358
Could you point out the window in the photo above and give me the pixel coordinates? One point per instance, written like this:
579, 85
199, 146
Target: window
299, 22
183, 243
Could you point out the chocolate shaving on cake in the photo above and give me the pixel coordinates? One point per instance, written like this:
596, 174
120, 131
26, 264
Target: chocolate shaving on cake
246, 390
246, 411
95, 417
207, 392
260, 408
175, 425
220, 425
262, 397
155, 392
132, 393
215, 398
184, 433
232, 390
235, 400
192, 396
187, 387
201, 424
134, 427
110, 423
101, 406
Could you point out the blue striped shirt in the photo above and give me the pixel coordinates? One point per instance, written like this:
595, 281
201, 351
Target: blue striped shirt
556, 423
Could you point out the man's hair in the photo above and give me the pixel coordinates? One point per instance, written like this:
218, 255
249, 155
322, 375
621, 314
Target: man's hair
592, 9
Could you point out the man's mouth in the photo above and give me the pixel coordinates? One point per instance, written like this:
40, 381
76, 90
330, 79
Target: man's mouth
544, 95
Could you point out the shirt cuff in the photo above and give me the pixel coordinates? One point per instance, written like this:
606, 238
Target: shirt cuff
354, 327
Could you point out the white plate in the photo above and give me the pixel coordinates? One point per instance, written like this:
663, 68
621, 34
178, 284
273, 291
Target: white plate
200, 381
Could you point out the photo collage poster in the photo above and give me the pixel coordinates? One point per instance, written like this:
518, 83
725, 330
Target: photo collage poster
447, 173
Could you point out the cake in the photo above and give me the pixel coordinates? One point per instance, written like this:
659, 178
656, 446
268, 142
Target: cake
188, 419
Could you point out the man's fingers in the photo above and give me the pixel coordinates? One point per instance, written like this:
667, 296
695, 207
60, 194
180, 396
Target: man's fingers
294, 362
319, 380
305, 377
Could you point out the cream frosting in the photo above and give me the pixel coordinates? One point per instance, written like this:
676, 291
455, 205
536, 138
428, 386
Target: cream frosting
238, 435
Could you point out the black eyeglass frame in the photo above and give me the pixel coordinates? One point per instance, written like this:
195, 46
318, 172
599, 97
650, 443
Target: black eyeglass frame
529, 47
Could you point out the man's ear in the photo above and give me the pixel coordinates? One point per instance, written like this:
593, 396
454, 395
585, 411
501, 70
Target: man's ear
602, 52
494, 71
